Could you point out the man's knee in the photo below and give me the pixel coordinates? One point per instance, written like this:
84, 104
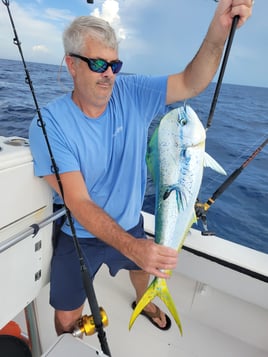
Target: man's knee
66, 320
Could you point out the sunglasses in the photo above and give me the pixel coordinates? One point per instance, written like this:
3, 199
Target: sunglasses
99, 65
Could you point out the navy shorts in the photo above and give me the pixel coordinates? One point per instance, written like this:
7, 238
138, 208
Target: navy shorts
66, 287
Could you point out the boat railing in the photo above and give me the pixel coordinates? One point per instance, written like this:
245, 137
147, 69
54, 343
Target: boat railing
31, 230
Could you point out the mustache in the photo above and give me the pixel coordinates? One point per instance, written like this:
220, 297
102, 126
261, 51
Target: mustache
105, 81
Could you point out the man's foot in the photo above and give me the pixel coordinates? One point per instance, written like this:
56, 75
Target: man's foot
155, 316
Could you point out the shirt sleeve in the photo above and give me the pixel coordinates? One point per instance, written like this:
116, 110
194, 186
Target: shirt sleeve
55, 139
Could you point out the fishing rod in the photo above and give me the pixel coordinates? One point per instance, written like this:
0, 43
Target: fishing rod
222, 70
201, 208
97, 313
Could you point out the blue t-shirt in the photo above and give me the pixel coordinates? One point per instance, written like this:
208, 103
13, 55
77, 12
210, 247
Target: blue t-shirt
109, 150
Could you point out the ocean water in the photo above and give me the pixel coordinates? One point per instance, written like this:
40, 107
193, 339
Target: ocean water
239, 127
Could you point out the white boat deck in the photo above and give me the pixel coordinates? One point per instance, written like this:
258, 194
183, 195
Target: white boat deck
201, 316
210, 321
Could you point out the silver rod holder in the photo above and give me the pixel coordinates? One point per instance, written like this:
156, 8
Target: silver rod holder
30, 231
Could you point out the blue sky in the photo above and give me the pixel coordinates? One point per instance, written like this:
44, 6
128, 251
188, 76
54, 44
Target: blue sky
154, 38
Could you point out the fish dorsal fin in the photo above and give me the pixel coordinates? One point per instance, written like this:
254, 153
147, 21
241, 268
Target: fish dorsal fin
213, 164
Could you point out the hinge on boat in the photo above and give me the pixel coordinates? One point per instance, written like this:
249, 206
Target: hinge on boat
37, 275
38, 246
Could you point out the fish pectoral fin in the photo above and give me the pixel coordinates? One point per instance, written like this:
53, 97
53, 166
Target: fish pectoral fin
213, 164
159, 288
166, 194
180, 196
181, 199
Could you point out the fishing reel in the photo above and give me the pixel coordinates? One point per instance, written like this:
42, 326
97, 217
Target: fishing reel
85, 325
200, 211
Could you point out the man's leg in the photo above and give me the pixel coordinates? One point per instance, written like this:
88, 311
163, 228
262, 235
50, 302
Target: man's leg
66, 320
67, 294
140, 280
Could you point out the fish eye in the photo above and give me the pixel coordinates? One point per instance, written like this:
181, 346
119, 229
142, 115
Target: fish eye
182, 120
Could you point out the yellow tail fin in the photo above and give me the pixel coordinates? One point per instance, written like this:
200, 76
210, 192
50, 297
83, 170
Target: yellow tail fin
158, 287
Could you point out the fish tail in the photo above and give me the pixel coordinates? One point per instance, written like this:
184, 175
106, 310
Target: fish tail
159, 288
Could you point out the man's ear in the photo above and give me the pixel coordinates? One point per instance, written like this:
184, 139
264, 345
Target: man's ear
70, 62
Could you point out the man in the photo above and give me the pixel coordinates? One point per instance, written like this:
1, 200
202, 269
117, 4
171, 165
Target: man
98, 136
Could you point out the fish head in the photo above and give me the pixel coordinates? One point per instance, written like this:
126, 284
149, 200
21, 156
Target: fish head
189, 128
180, 129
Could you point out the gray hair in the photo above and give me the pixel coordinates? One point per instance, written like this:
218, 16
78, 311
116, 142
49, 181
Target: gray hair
83, 27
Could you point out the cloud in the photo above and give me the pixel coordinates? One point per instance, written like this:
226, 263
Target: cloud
110, 12
153, 38
40, 48
57, 14
37, 35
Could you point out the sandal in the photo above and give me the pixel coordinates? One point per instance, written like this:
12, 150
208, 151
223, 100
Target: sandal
151, 315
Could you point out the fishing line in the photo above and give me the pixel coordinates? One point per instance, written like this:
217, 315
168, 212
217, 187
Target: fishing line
247, 151
237, 161
60, 71
201, 208
87, 281
232, 177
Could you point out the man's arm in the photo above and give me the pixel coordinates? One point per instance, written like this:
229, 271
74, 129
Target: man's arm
148, 255
201, 70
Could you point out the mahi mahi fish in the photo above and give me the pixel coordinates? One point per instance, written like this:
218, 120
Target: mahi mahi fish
175, 158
